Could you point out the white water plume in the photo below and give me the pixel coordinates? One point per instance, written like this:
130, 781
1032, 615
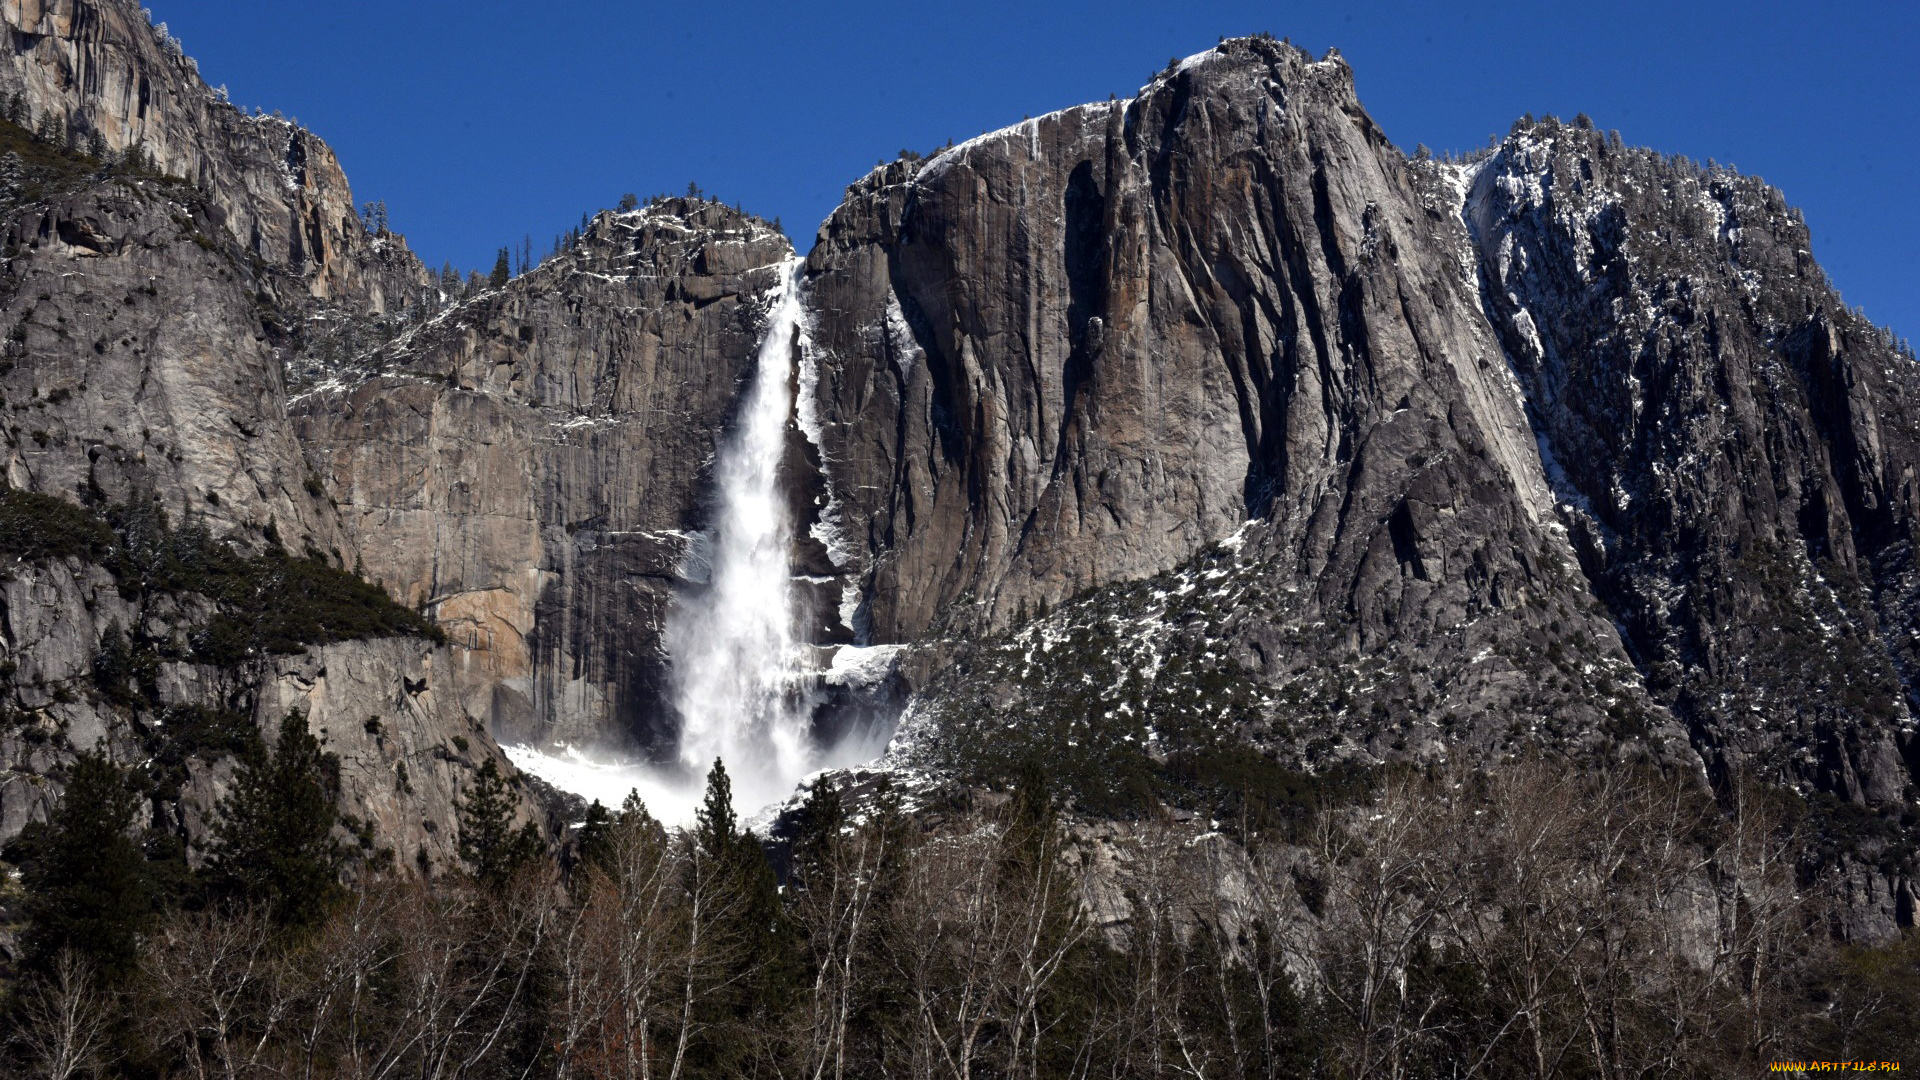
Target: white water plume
738, 681
732, 642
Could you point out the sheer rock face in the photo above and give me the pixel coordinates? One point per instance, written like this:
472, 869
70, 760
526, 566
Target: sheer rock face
529, 464
1733, 449
146, 322
1076, 351
139, 368
1569, 444
139, 365
99, 68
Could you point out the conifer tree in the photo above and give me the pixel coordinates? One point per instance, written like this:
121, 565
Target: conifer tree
821, 818
593, 844
89, 890
715, 827
273, 841
764, 964
488, 841
502, 269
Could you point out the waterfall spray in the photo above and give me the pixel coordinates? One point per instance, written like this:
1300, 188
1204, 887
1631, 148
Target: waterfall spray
732, 641
736, 680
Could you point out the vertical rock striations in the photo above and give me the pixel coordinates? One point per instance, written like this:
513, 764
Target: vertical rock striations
172, 573
1079, 350
1566, 446
1204, 413
1733, 448
99, 74
529, 464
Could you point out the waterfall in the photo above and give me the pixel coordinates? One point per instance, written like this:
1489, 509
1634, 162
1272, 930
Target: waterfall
736, 677
732, 640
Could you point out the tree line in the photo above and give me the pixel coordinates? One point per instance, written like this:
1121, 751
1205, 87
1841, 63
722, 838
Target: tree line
1525, 922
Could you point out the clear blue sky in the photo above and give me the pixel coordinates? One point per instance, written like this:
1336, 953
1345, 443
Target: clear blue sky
483, 120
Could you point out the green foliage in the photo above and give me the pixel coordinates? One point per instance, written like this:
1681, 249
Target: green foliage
36, 528
1867, 1000
1120, 732
1256, 794
593, 843
45, 163
281, 604
488, 840
765, 972
184, 733
269, 603
46, 167
272, 835
1844, 832
716, 829
502, 269
89, 888
125, 672
822, 817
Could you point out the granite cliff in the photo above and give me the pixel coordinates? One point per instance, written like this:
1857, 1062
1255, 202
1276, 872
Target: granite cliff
1202, 426
176, 576
527, 465
1226, 424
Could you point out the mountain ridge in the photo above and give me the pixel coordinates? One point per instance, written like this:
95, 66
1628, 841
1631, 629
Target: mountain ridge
1052, 377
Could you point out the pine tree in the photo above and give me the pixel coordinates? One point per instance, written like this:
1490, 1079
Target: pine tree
821, 819
502, 269
767, 970
88, 887
488, 841
593, 844
715, 827
273, 841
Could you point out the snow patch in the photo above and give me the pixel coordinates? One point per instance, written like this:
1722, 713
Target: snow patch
862, 666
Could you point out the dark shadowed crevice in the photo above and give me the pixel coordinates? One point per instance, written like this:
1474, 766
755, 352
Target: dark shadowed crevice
1085, 257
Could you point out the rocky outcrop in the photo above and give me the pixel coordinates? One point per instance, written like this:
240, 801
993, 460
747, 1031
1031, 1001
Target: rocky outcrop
1078, 351
405, 748
1732, 448
1200, 419
99, 72
139, 365
142, 379
528, 465
1567, 446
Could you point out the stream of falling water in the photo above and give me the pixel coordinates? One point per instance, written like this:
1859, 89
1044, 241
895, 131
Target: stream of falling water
730, 637
736, 682
732, 642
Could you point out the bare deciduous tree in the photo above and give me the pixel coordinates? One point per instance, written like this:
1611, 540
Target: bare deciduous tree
64, 1020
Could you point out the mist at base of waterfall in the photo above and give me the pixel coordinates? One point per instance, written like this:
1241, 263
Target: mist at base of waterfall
736, 660
671, 792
